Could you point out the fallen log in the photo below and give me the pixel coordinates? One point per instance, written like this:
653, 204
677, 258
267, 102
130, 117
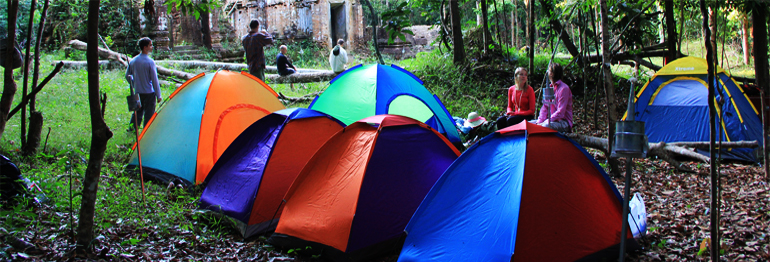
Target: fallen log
305, 98
123, 59
663, 150
301, 77
225, 66
321, 76
103, 53
104, 64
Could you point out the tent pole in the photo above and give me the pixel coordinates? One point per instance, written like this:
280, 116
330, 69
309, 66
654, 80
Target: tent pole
626, 200
136, 132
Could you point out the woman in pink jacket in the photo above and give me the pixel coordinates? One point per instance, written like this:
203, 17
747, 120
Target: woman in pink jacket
521, 101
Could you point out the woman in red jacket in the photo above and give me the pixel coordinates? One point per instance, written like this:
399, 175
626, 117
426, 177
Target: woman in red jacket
521, 101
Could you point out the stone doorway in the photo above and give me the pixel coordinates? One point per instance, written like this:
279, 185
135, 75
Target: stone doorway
338, 21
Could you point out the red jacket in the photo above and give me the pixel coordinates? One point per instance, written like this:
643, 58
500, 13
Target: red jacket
521, 104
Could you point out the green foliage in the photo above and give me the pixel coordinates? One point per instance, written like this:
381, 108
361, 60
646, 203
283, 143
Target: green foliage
396, 20
191, 7
118, 22
22, 20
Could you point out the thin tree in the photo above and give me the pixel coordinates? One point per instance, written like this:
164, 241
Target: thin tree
457, 33
707, 39
36, 118
486, 35
531, 35
25, 67
100, 134
609, 86
761, 69
671, 55
205, 25
374, 23
9, 88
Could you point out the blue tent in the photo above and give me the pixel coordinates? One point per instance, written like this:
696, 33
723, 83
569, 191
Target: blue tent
367, 90
525, 192
674, 107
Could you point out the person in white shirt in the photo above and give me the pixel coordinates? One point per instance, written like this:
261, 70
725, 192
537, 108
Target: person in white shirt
338, 57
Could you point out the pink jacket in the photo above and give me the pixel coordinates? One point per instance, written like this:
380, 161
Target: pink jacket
562, 110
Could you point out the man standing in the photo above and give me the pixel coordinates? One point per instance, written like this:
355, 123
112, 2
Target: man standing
338, 58
253, 43
284, 63
145, 82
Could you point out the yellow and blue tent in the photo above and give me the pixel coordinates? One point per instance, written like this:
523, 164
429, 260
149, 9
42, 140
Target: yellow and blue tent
674, 106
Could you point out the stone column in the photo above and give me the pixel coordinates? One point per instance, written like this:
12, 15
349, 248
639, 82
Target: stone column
216, 38
161, 41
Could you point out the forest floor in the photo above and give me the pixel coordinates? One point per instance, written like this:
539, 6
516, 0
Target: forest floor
167, 227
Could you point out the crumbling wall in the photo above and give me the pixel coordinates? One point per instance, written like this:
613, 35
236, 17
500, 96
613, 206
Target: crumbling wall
294, 20
298, 19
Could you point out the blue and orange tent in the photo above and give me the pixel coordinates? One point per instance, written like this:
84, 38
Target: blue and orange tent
674, 106
250, 179
357, 193
367, 90
199, 121
525, 192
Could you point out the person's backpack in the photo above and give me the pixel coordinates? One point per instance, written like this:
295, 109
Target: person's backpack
11, 184
336, 50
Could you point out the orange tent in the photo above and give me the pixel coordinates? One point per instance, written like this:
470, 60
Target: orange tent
359, 190
199, 121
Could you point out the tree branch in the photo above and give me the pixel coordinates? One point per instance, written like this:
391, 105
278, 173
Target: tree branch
37, 89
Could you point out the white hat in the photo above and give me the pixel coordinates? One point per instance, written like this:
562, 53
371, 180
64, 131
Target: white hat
474, 120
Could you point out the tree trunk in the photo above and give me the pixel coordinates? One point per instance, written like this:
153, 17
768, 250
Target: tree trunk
671, 31
707, 39
206, 27
745, 40
100, 134
9, 88
457, 33
33, 137
531, 36
609, 86
25, 82
487, 36
761, 69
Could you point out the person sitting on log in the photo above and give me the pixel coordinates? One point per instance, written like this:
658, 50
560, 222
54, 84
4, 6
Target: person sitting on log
521, 101
284, 63
560, 118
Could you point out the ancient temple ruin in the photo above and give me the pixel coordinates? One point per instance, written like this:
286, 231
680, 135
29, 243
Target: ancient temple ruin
322, 21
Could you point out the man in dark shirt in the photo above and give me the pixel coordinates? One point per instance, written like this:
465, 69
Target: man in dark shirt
253, 43
284, 64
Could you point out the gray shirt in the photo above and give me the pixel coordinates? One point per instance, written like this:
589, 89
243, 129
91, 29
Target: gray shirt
142, 67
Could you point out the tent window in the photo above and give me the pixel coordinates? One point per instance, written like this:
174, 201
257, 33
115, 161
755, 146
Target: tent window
407, 105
